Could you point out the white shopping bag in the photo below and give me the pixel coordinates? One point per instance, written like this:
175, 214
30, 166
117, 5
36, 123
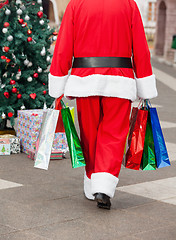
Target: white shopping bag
45, 139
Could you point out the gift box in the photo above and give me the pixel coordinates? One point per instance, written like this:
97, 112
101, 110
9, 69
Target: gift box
14, 142
28, 127
4, 146
55, 155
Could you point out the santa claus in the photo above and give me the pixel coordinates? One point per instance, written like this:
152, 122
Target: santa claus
111, 68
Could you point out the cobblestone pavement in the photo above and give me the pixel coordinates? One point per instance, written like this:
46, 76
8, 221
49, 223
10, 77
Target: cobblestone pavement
44, 205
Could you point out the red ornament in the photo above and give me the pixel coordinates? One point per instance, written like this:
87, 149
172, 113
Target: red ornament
10, 114
33, 3
24, 24
3, 57
40, 14
44, 84
29, 32
6, 49
12, 82
33, 95
55, 33
21, 21
19, 70
29, 39
19, 96
6, 24
14, 90
6, 94
44, 92
35, 75
8, 60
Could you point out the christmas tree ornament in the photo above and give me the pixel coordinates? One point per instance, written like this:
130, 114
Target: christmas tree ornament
29, 79
54, 38
3, 116
18, 2
7, 12
10, 114
44, 92
39, 1
4, 30
5, 49
3, 57
10, 38
29, 31
21, 21
35, 75
39, 70
48, 27
5, 74
27, 18
8, 60
19, 11
23, 7
42, 22
14, 89
33, 95
29, 39
19, 96
6, 24
22, 107
6, 94
40, 14
33, 3
12, 82
30, 64
24, 24
44, 84
26, 62
43, 52
41, 9
55, 33
48, 59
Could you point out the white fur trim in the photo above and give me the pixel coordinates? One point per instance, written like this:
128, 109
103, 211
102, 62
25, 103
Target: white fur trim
104, 183
102, 85
87, 188
146, 87
56, 85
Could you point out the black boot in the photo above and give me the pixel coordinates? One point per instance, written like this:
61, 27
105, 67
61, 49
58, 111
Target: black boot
103, 201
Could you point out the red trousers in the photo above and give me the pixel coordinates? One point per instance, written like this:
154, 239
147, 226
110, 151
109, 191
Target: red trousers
104, 125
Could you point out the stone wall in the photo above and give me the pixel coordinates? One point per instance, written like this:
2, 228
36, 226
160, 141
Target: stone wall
166, 28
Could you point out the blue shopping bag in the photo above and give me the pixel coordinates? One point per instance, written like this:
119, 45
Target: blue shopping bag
161, 154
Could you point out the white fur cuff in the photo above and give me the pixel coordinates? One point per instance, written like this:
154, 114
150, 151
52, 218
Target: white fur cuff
146, 87
56, 85
104, 183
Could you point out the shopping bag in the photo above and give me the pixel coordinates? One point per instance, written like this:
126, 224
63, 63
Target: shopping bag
148, 157
161, 154
45, 139
60, 125
74, 145
138, 122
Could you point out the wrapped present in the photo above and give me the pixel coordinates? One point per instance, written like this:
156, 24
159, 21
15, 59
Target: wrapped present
4, 146
55, 155
28, 127
14, 142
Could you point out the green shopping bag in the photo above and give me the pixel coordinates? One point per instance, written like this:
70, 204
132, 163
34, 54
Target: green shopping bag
148, 157
74, 145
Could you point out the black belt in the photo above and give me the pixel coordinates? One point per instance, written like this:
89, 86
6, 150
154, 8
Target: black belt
102, 62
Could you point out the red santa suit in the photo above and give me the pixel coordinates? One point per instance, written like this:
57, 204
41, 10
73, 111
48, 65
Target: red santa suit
108, 28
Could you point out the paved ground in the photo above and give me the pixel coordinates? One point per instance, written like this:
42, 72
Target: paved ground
41, 205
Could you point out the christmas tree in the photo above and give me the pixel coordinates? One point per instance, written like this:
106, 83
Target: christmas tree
25, 39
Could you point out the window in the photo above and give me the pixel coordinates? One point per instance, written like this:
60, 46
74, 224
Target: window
152, 11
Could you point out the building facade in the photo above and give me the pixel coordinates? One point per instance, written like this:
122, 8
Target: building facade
165, 29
